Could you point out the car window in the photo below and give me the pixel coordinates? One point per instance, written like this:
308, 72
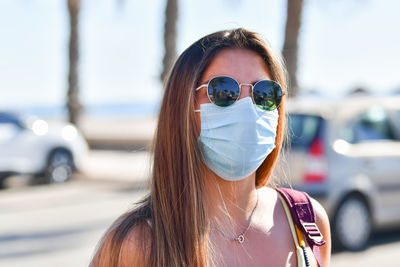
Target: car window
5, 118
396, 119
372, 124
303, 129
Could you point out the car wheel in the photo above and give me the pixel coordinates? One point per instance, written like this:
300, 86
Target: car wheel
59, 166
352, 225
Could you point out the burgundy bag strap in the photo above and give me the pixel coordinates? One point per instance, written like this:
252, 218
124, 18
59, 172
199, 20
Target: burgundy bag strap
304, 217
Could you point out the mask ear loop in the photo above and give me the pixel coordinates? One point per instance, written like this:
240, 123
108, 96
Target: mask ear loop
197, 89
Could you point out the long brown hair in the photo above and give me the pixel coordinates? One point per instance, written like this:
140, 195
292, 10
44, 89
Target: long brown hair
175, 206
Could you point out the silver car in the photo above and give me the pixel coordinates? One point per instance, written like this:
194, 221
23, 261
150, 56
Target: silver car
346, 154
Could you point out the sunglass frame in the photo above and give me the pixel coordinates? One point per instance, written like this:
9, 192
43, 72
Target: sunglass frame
240, 88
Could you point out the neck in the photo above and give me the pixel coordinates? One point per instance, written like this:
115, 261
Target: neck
230, 204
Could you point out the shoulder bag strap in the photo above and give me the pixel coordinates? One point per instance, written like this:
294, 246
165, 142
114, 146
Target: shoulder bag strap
304, 217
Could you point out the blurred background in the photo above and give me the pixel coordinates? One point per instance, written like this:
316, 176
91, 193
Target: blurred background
80, 86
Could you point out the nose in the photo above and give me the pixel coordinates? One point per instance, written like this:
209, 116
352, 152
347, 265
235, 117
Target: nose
245, 90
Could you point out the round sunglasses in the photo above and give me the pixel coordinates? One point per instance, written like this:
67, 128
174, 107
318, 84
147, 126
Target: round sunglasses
223, 91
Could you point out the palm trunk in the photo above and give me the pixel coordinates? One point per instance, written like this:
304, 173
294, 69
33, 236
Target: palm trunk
73, 103
170, 35
290, 47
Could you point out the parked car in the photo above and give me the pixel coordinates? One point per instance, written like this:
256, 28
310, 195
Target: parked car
346, 154
29, 145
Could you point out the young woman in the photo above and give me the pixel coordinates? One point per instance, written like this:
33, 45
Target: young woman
220, 131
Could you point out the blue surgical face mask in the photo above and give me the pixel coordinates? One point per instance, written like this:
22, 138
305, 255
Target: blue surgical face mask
235, 140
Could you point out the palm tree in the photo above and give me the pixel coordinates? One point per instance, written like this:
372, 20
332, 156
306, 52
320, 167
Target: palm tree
290, 46
170, 36
73, 102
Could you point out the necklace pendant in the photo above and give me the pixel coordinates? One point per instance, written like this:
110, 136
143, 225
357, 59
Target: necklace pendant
240, 239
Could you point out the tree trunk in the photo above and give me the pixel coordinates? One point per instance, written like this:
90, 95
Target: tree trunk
290, 47
170, 35
73, 103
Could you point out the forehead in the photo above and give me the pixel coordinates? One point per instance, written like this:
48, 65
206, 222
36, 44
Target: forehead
246, 66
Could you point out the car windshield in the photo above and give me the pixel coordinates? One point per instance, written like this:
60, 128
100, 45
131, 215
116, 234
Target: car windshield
373, 124
302, 130
6, 118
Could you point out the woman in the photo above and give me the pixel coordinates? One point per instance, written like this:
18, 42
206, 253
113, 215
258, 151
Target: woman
214, 152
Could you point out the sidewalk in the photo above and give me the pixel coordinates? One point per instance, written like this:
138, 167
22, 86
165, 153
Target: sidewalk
119, 149
117, 166
119, 133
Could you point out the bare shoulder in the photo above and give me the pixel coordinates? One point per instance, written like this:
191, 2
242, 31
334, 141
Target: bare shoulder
131, 250
322, 221
269, 194
135, 248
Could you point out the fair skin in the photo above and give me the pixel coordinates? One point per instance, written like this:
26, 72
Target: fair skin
229, 204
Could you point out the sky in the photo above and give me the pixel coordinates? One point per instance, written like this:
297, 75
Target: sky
343, 44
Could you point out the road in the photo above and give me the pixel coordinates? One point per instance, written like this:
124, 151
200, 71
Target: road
59, 225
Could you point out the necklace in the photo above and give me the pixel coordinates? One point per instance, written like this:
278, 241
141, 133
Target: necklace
240, 238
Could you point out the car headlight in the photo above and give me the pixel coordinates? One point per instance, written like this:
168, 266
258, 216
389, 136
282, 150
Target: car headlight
69, 132
40, 127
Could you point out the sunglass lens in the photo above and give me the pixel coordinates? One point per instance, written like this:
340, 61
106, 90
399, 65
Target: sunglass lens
267, 95
223, 91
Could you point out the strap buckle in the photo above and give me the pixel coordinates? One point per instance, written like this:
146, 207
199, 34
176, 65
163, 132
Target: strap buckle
313, 232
